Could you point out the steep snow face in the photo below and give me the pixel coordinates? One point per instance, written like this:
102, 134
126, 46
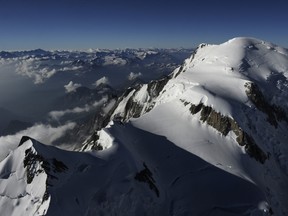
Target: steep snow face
183, 183
228, 105
216, 74
23, 183
136, 102
42, 180
140, 174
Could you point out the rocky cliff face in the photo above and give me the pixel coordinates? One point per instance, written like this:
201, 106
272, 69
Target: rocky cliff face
132, 104
224, 125
275, 113
143, 99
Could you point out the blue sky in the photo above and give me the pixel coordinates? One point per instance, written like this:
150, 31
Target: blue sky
83, 24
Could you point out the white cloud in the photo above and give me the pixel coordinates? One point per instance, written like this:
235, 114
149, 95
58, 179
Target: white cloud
56, 115
133, 76
65, 62
70, 87
113, 60
34, 68
44, 133
73, 68
31, 68
4, 61
103, 80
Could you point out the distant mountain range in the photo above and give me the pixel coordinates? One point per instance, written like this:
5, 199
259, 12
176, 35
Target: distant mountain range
50, 81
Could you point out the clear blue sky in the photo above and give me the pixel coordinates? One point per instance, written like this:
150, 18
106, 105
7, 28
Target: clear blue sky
83, 24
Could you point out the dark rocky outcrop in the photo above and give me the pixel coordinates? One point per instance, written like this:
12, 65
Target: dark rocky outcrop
30, 162
179, 71
92, 143
133, 109
51, 166
224, 125
274, 113
146, 176
36, 164
156, 86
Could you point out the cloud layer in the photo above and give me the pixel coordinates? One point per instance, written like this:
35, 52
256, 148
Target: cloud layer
43, 133
39, 69
30, 67
71, 87
103, 80
56, 115
133, 76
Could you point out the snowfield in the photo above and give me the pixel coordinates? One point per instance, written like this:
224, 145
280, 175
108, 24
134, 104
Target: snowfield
219, 76
210, 139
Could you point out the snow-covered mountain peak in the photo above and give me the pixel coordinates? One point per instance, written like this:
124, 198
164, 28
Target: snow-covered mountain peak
226, 104
220, 72
23, 181
232, 52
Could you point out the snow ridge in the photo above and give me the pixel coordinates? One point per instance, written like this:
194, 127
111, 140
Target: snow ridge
227, 105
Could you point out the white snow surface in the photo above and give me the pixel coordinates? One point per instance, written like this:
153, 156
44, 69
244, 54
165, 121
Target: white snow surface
188, 167
16, 196
216, 76
104, 183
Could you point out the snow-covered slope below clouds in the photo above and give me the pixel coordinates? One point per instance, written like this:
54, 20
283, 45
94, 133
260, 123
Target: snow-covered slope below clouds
186, 184
140, 174
42, 180
228, 105
23, 183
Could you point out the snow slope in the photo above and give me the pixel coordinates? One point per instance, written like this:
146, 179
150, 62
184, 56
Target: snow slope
210, 139
43, 180
141, 174
228, 105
